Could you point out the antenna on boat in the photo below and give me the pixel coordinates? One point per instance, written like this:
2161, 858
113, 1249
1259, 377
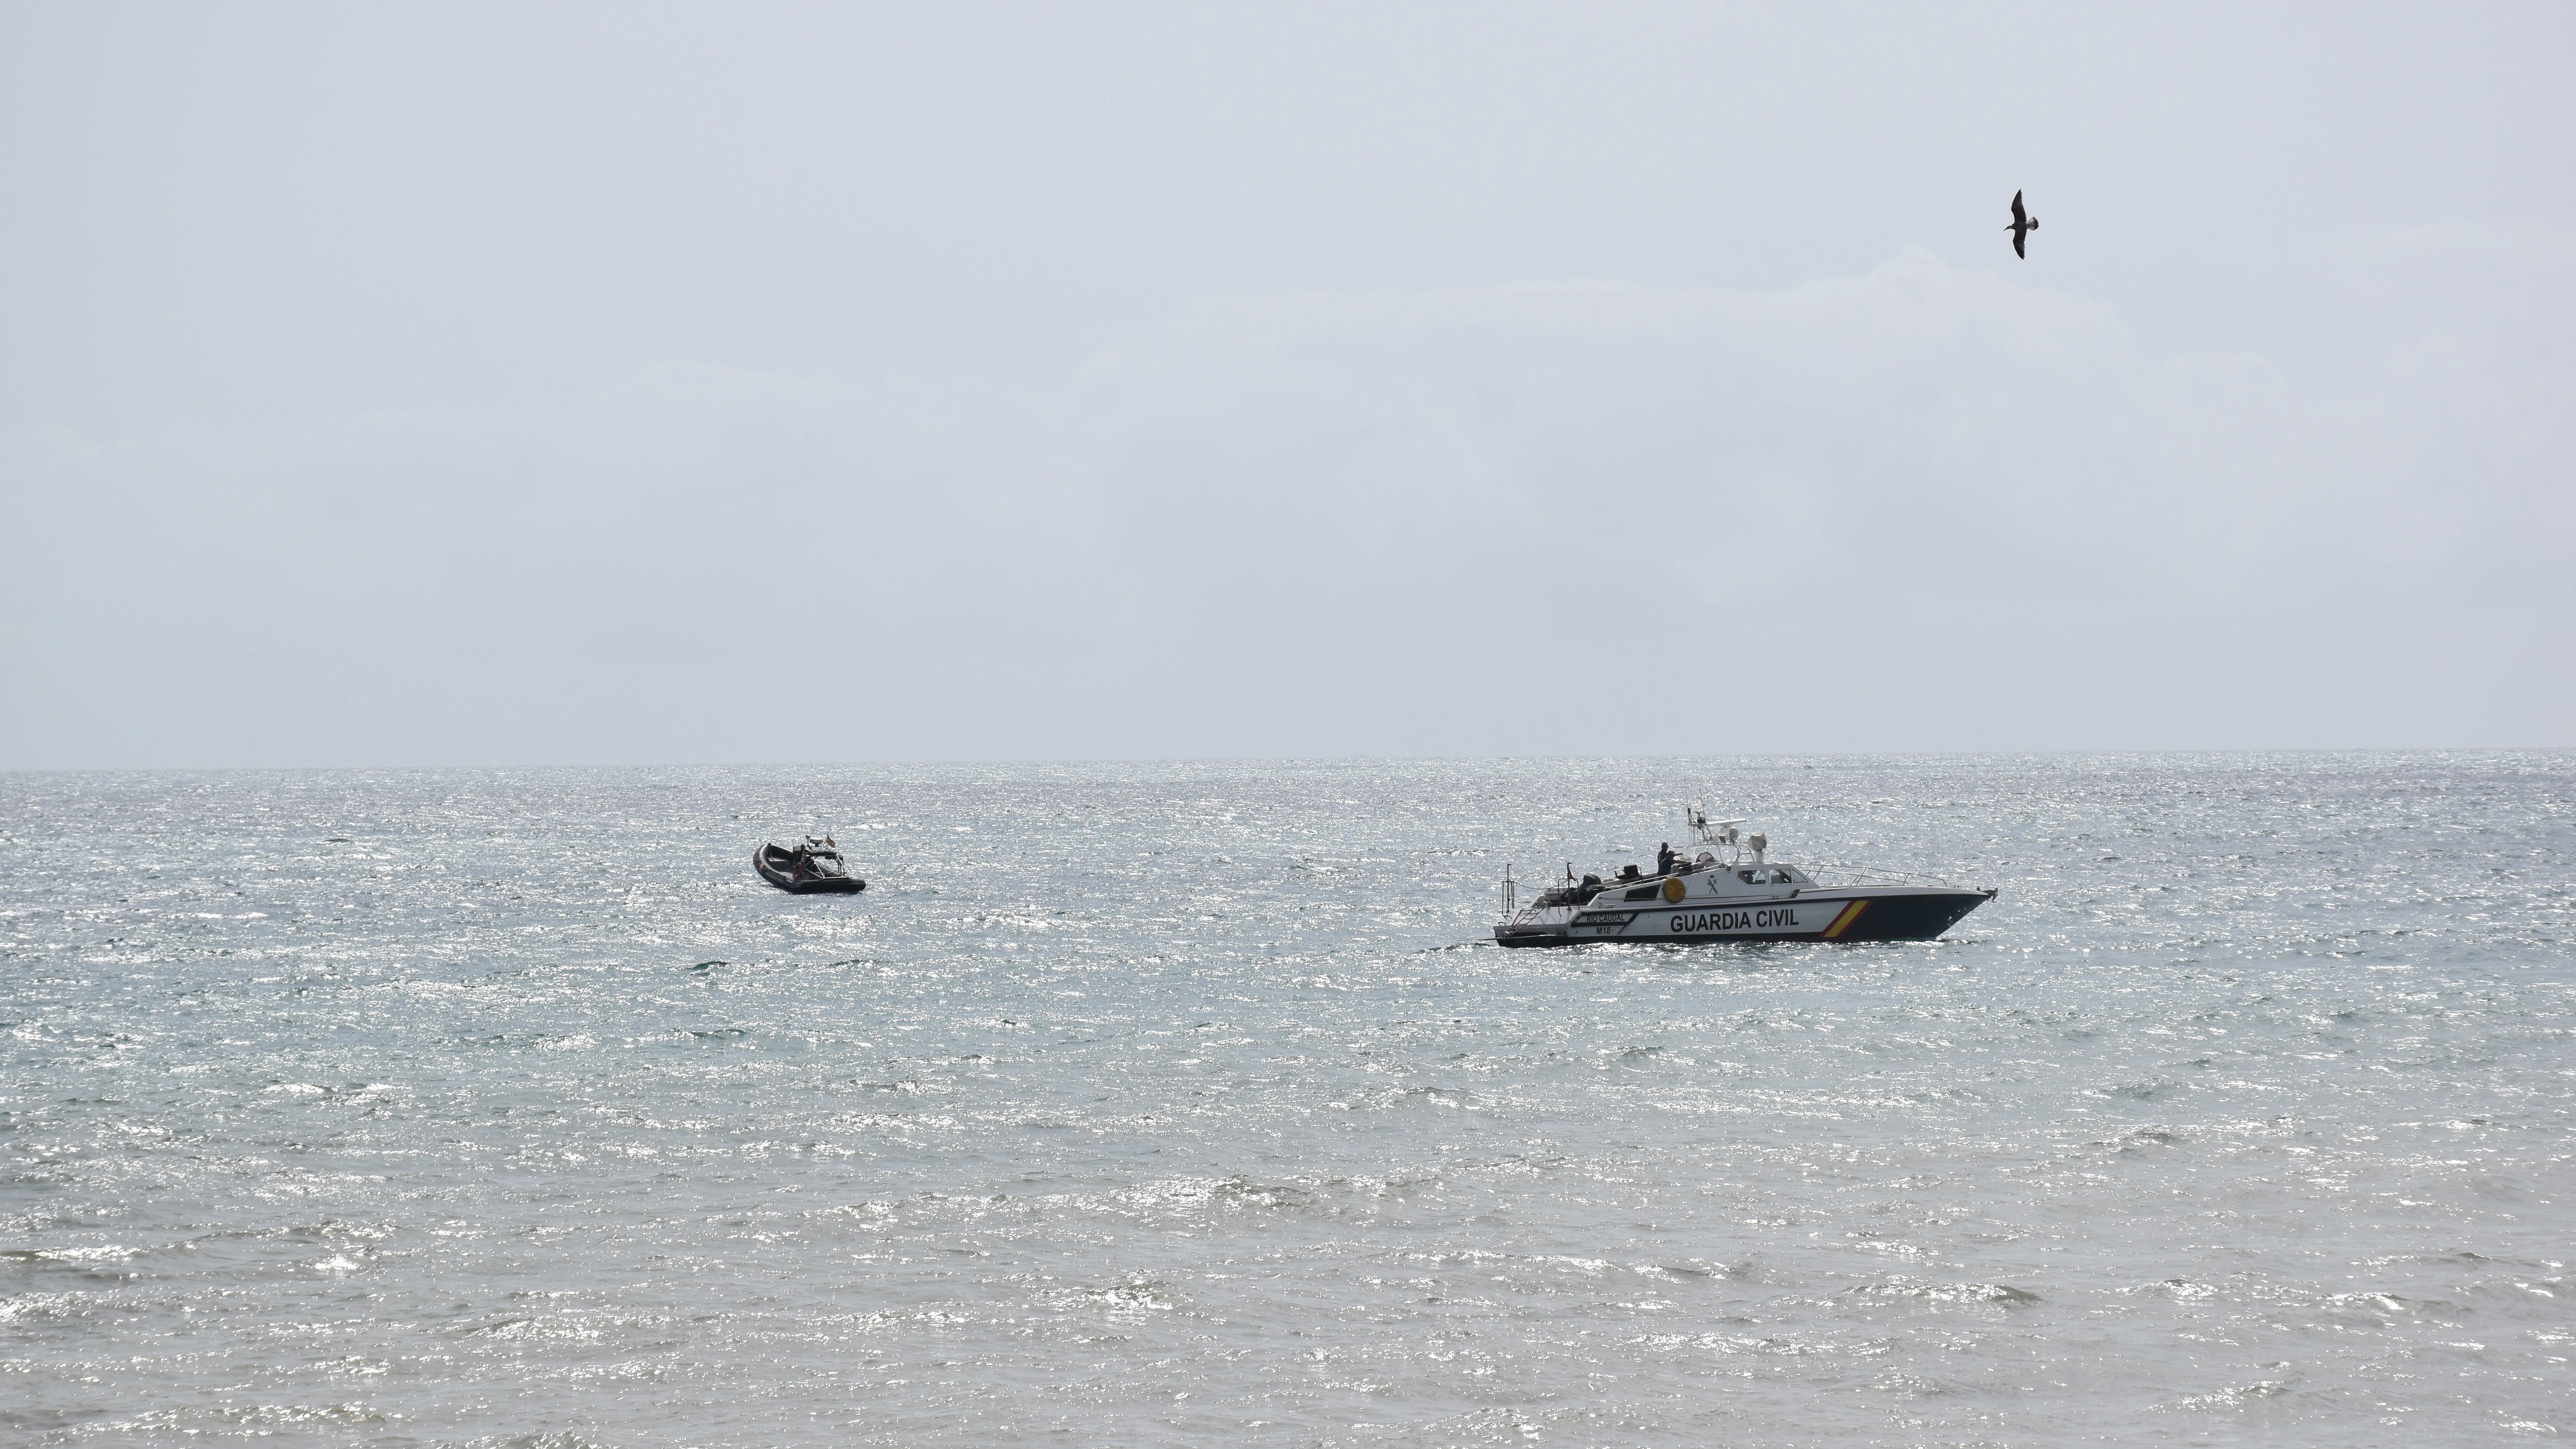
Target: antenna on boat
1710, 833
1511, 893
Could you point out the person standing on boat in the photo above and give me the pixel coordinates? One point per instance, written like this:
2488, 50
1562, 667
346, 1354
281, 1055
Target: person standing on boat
1664, 858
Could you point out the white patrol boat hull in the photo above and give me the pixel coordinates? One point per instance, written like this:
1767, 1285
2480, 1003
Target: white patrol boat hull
1887, 913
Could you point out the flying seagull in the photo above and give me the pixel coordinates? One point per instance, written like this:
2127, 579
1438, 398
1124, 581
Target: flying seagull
2022, 223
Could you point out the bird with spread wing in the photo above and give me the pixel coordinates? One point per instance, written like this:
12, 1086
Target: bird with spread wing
2023, 223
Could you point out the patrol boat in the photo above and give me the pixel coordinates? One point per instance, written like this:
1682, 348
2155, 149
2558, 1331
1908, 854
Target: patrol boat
1729, 892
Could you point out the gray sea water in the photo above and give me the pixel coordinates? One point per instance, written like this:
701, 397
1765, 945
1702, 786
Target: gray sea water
1189, 1105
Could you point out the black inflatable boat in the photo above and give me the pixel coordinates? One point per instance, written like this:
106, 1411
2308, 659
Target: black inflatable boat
807, 869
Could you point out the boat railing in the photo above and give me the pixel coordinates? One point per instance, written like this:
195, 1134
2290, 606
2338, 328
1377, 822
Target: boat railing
1832, 874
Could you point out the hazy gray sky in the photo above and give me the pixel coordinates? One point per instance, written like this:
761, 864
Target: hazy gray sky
533, 384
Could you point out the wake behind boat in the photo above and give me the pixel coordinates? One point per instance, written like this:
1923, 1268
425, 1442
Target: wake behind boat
810, 868
1720, 895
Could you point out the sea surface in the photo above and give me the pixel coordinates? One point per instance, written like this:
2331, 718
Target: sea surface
1191, 1105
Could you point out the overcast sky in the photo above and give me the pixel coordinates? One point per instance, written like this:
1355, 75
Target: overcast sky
623, 383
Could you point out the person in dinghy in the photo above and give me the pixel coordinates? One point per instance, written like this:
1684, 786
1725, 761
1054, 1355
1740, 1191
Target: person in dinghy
811, 867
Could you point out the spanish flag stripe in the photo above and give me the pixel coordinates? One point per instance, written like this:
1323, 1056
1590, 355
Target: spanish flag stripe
1843, 922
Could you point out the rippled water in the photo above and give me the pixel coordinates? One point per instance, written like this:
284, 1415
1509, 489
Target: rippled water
1187, 1104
